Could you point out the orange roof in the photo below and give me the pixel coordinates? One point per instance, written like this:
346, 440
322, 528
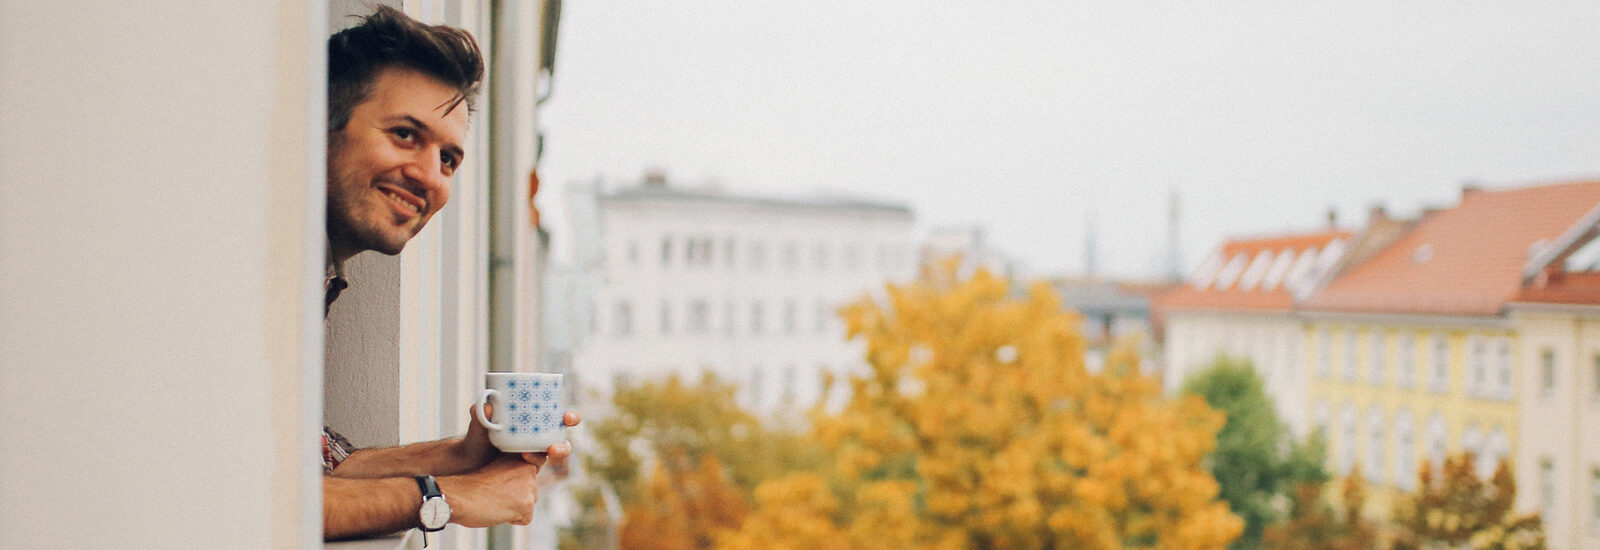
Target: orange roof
1467, 260
1566, 288
1214, 288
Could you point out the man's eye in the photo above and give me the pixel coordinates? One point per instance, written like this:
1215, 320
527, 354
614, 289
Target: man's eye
449, 162
404, 134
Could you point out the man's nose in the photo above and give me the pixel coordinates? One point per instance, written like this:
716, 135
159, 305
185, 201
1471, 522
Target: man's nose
427, 168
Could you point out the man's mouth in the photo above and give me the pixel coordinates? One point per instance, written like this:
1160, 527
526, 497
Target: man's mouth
406, 202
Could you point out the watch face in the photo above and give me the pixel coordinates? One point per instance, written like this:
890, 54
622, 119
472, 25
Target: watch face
435, 513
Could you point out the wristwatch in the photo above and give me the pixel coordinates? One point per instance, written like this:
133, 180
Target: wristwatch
435, 511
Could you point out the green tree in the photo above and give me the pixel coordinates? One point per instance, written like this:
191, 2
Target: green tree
1255, 462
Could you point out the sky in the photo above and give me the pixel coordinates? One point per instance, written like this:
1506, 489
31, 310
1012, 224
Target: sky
1041, 120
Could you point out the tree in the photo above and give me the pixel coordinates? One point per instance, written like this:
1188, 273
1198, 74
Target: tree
1314, 525
1457, 509
684, 461
1251, 462
977, 426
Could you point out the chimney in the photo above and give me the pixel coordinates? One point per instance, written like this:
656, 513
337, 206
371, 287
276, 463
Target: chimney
1377, 213
1470, 187
655, 177
1333, 218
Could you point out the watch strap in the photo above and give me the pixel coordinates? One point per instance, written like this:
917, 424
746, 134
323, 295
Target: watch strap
429, 487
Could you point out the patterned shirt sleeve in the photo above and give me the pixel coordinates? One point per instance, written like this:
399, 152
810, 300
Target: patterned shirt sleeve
335, 448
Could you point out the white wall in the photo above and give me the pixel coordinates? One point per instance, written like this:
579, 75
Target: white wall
160, 169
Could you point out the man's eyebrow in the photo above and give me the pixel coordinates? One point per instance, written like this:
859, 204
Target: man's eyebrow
424, 128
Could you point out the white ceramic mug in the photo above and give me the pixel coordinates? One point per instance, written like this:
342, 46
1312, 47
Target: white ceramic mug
527, 411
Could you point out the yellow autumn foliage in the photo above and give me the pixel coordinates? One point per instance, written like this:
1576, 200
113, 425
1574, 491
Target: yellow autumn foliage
977, 425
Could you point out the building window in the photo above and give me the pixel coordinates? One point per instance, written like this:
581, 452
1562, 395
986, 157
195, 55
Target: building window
758, 318
757, 392
1406, 376
1596, 370
821, 257
791, 318
1547, 491
1347, 439
852, 258
1439, 365
1594, 500
1547, 373
622, 318
1373, 468
699, 316
1324, 354
791, 257
1376, 360
791, 378
1350, 355
821, 322
758, 256
1405, 451
727, 317
1438, 440
1472, 442
666, 251
728, 249
666, 317
1495, 451
1321, 416
1502, 366
1478, 365
633, 252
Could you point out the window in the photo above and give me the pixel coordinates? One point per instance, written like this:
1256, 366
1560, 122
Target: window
1350, 355
728, 253
1376, 362
1347, 439
622, 318
757, 392
1405, 451
1439, 365
1373, 468
758, 256
758, 318
666, 251
791, 378
1478, 366
1502, 367
633, 252
1495, 450
821, 257
1322, 416
791, 317
699, 316
1324, 354
1594, 500
852, 258
1406, 375
791, 257
1595, 394
1547, 491
1438, 439
1472, 442
727, 317
1547, 373
821, 322
666, 317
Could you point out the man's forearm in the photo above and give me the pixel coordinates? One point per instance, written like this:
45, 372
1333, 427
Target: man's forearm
438, 458
365, 507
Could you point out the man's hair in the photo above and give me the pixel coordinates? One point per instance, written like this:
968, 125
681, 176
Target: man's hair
388, 39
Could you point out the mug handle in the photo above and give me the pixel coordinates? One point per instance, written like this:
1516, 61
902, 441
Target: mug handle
477, 409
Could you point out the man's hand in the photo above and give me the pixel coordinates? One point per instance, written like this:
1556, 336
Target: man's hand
502, 491
474, 450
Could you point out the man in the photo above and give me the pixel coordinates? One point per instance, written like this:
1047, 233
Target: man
399, 97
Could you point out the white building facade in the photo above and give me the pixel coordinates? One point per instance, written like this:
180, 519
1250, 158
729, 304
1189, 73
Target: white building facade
744, 287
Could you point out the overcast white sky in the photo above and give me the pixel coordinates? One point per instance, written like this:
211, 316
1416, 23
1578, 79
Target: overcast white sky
1021, 115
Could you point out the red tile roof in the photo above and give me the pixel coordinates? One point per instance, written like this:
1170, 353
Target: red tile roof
1581, 288
1235, 296
1467, 260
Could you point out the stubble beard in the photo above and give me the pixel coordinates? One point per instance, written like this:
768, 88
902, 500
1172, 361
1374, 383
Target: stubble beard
347, 227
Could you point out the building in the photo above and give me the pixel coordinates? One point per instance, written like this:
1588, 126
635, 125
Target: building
1114, 312
1557, 318
1414, 353
743, 286
1240, 302
161, 319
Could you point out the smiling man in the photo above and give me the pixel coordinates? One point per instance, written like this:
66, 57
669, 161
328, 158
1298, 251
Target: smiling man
400, 95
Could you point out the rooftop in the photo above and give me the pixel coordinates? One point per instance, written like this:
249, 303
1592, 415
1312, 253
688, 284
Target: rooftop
1261, 274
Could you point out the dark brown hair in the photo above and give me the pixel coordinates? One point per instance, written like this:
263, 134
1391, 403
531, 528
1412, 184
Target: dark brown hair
389, 38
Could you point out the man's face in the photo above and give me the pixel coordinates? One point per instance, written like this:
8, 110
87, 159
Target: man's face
389, 169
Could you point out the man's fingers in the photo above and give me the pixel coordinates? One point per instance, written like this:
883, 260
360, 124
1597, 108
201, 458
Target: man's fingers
571, 418
536, 459
559, 451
